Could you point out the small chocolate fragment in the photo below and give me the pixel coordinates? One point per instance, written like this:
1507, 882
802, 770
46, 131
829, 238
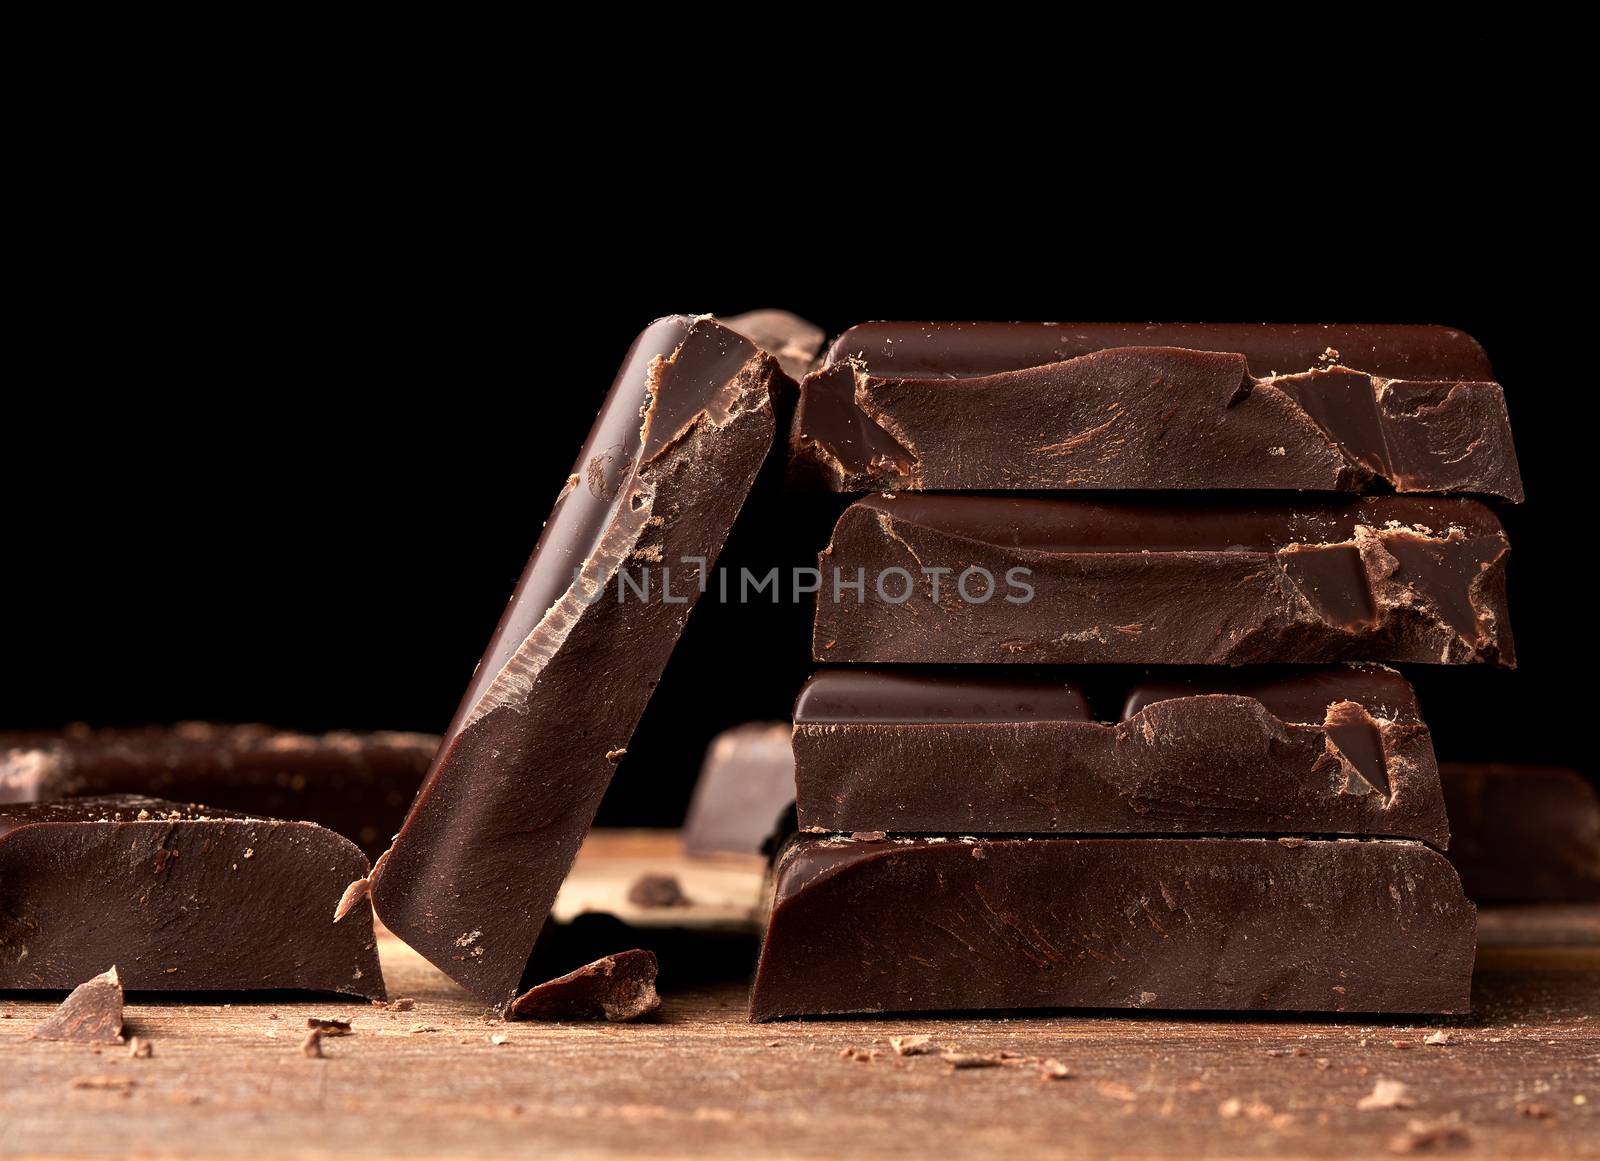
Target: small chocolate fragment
328, 1027
657, 891
357, 784
679, 440
963, 579
620, 988
92, 1014
745, 787
180, 898
909, 925
1335, 751
1183, 407
1523, 833
790, 339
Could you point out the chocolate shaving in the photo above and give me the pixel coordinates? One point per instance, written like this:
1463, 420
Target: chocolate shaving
620, 988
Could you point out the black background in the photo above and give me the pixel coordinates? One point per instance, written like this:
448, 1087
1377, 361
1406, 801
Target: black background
287, 467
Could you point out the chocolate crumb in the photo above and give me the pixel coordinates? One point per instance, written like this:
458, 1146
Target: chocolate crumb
1535, 1110
651, 890
328, 1027
959, 1060
140, 1049
1402, 1044
312, 1044
1447, 1132
1387, 1094
403, 1004
868, 836
92, 1014
1053, 1070
499, 1038
1440, 1038
912, 1045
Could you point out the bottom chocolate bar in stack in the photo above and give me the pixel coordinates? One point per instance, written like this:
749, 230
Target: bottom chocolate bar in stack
1257, 843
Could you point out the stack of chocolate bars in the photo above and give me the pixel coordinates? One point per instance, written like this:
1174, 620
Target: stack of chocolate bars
1105, 720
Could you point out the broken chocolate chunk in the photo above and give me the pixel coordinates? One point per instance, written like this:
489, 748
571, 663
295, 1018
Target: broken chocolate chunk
909, 925
964, 579
92, 1014
247, 906
1182, 407
746, 785
357, 784
679, 440
1324, 751
620, 988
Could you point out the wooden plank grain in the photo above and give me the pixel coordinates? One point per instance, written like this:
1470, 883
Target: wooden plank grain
1520, 1077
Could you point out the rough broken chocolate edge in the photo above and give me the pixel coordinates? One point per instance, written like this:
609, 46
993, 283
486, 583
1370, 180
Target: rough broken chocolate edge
620, 988
91, 1014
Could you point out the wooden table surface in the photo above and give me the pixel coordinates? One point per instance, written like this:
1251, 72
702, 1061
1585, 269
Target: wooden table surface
1520, 1077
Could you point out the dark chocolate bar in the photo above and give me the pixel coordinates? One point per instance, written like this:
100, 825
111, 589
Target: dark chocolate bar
1339, 751
178, 898
358, 784
550, 711
1523, 833
980, 406
974, 579
922, 925
746, 786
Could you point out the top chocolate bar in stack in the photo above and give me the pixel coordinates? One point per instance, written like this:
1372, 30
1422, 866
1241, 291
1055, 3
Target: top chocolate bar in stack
1181, 406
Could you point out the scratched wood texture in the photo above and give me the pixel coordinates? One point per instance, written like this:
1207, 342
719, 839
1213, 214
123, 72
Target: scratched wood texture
1520, 1077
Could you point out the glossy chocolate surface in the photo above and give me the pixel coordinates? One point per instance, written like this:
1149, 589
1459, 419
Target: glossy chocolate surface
745, 787
1004, 406
550, 711
1335, 751
179, 898
923, 925
1390, 578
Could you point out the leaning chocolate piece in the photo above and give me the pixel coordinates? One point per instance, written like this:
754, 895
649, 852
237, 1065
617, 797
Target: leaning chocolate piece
550, 710
790, 339
1071, 405
922, 925
92, 1014
358, 784
180, 898
746, 786
1523, 833
620, 988
912, 578
1338, 751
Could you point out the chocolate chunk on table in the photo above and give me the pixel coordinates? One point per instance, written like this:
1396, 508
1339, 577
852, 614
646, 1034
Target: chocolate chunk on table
179, 898
962, 579
620, 988
549, 713
922, 925
745, 788
358, 784
1337, 751
1523, 833
1179, 406
92, 1014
